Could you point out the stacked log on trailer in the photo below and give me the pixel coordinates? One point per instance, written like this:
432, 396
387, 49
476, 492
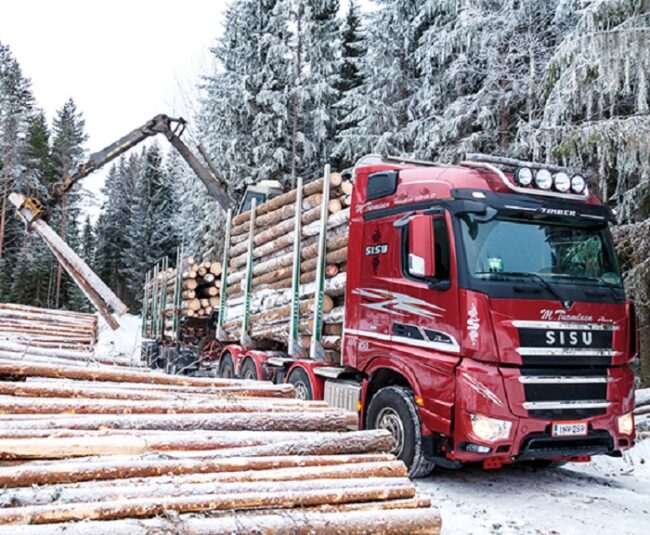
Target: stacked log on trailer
176, 296
118, 450
201, 283
40, 335
263, 253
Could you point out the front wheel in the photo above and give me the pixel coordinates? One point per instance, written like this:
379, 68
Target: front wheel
393, 408
300, 380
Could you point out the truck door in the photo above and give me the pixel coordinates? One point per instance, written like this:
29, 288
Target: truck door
428, 302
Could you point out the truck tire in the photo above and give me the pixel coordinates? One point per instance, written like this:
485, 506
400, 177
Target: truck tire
248, 370
170, 360
300, 380
186, 363
227, 367
393, 408
155, 360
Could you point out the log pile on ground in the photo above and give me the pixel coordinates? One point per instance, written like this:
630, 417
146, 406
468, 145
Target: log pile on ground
642, 413
39, 335
118, 450
272, 266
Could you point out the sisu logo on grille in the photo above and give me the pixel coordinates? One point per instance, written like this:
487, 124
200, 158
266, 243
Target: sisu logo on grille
396, 303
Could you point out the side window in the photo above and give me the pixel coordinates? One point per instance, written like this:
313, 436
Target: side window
442, 253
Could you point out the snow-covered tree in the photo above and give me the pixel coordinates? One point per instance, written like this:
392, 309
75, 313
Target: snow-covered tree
150, 235
68, 137
382, 113
319, 36
16, 102
596, 101
350, 78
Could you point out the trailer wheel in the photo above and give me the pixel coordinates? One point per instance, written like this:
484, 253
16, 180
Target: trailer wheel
227, 367
300, 380
393, 408
248, 370
170, 361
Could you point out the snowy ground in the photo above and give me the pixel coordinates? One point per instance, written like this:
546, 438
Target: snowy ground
606, 496
124, 342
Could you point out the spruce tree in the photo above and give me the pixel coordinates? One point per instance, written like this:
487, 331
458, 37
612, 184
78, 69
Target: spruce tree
320, 29
381, 120
349, 84
67, 152
16, 102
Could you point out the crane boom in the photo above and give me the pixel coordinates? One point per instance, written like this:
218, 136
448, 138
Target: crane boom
172, 129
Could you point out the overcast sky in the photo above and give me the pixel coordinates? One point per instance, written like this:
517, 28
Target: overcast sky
121, 61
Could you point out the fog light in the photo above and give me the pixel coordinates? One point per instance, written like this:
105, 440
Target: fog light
626, 424
477, 448
489, 429
543, 179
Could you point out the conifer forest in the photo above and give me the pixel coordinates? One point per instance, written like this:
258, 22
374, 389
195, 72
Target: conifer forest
296, 84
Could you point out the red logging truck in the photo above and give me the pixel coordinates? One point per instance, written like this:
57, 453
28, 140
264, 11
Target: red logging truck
485, 318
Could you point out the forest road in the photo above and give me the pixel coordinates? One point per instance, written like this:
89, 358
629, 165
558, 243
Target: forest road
606, 496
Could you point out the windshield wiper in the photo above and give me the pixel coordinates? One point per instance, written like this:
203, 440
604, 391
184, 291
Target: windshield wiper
535, 276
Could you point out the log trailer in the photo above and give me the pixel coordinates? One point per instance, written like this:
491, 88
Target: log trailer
483, 315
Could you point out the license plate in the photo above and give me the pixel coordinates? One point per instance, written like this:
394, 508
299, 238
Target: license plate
569, 429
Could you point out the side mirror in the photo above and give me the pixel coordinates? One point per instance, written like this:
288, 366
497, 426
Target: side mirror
421, 247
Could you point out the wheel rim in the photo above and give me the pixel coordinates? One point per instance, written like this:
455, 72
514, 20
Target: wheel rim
301, 390
389, 419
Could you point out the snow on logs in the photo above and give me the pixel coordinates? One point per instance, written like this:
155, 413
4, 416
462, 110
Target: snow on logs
43, 336
123, 449
272, 267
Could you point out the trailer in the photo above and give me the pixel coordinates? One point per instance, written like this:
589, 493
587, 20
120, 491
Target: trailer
476, 311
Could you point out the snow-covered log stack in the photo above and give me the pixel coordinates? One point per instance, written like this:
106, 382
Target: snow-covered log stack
120, 449
273, 240
32, 334
642, 413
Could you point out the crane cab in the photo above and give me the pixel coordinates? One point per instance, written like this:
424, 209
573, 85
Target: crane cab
261, 192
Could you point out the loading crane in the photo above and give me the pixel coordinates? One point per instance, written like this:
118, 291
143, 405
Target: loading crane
172, 129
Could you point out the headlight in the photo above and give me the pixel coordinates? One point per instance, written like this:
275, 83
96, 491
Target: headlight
626, 424
578, 183
562, 182
524, 176
489, 429
543, 179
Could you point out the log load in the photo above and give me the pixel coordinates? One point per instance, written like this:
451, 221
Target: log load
272, 253
124, 450
199, 286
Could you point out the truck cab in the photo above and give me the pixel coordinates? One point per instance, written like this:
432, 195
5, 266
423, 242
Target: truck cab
485, 314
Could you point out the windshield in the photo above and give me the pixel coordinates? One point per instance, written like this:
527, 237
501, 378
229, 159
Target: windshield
556, 252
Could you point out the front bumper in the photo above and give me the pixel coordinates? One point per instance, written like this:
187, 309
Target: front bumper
482, 389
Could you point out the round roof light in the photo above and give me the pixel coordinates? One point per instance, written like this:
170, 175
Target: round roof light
578, 184
561, 182
543, 179
524, 176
